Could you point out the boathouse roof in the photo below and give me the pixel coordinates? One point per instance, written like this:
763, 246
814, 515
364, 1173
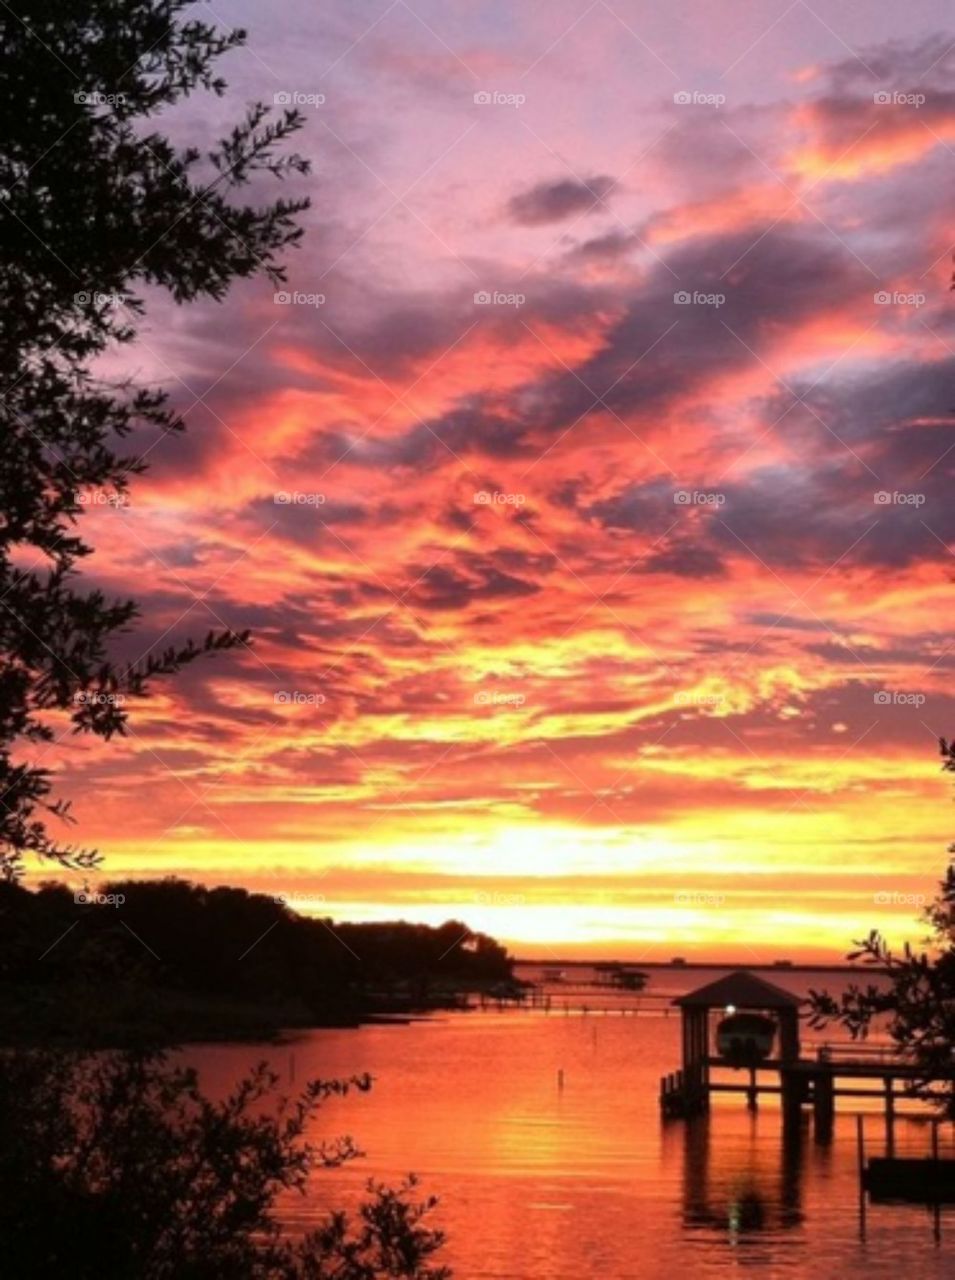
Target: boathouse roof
743, 990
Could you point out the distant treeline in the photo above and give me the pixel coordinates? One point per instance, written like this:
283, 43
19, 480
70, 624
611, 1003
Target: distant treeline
168, 960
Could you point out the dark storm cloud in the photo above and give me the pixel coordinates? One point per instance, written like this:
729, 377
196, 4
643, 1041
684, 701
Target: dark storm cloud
525, 563
401, 334
555, 201
685, 559
907, 409
653, 509
782, 622
795, 516
659, 349
799, 517
474, 429
759, 291
608, 248
892, 435
933, 653
444, 587
645, 507
895, 63
306, 522
662, 347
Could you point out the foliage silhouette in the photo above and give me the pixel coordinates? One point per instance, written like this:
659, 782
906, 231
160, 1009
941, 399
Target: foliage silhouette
116, 1167
167, 961
918, 1003
98, 206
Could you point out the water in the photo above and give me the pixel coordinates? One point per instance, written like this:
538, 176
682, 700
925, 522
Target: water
539, 1182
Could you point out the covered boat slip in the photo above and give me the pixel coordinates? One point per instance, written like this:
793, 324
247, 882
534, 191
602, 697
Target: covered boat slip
753, 1012
736, 996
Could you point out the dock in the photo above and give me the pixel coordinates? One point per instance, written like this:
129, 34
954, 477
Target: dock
850, 1071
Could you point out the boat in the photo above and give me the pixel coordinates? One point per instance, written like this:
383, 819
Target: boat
629, 979
745, 1039
614, 974
510, 989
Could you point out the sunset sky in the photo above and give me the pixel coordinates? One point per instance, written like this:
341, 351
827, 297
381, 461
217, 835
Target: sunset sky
610, 600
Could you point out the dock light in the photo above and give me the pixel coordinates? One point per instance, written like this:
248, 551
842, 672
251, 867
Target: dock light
731, 1008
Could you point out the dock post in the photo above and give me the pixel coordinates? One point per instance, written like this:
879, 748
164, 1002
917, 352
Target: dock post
889, 1116
824, 1104
791, 1085
752, 1093
860, 1161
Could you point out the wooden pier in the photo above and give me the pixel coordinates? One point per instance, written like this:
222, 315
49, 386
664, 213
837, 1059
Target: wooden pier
853, 1071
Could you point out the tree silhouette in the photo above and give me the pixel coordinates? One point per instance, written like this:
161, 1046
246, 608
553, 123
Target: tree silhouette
96, 206
919, 1000
155, 961
117, 1167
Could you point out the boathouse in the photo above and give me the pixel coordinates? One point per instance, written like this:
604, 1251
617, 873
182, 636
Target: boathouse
848, 1070
687, 1091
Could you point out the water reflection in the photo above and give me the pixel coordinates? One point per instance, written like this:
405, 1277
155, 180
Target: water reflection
745, 1188
542, 1183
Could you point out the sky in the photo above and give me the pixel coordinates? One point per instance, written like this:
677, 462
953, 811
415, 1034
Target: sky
587, 489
